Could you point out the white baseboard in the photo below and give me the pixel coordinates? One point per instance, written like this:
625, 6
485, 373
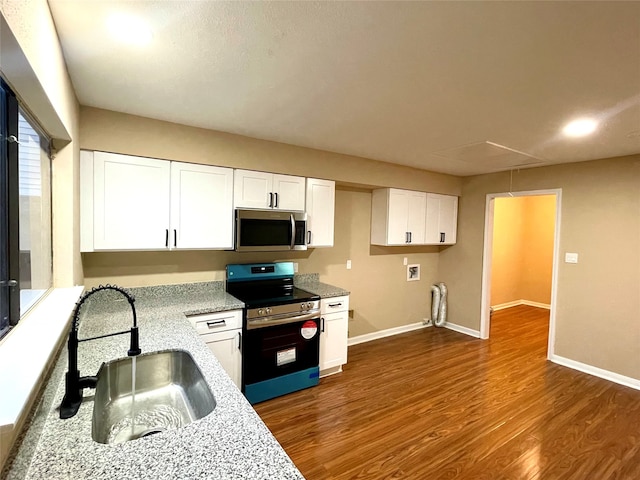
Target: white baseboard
515, 303
597, 372
531, 303
461, 329
502, 306
367, 337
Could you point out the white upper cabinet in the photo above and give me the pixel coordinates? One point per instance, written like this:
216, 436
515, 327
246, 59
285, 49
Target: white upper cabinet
135, 203
130, 202
268, 190
320, 210
442, 219
201, 206
398, 217
252, 189
415, 217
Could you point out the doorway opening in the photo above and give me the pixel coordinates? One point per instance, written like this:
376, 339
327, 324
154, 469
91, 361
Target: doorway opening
521, 249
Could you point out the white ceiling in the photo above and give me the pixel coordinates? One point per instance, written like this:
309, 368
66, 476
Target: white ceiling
403, 82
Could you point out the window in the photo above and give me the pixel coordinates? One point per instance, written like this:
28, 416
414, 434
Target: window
25, 213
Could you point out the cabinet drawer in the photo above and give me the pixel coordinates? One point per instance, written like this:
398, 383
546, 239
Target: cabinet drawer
334, 304
216, 322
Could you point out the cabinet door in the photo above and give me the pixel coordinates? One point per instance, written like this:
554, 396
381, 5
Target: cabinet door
442, 216
398, 216
252, 189
448, 218
416, 216
131, 202
333, 340
226, 346
201, 206
288, 192
320, 212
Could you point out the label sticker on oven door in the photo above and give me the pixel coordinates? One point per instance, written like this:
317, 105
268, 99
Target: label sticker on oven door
286, 356
309, 330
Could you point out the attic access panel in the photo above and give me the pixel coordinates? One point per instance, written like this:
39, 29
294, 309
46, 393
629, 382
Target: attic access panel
490, 155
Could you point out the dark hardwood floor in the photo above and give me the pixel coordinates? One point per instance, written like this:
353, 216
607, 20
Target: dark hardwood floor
435, 404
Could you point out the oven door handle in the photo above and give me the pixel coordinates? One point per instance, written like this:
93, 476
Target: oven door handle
293, 232
271, 321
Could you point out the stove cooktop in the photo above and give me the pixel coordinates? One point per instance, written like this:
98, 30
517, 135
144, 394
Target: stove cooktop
258, 299
265, 284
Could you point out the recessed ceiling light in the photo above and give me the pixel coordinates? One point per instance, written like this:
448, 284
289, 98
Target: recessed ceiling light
129, 29
580, 127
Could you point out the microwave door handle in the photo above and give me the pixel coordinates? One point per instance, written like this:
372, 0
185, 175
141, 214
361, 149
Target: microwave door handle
293, 232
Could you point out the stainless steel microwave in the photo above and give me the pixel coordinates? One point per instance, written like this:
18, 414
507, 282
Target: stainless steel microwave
270, 230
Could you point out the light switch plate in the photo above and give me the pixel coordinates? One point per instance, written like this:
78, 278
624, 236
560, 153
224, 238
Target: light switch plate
570, 258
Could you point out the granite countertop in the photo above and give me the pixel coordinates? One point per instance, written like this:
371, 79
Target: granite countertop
311, 283
230, 443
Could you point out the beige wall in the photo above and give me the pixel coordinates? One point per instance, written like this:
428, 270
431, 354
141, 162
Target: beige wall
38, 74
380, 295
32, 63
522, 260
120, 133
598, 304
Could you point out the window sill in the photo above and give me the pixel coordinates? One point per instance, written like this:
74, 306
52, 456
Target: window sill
27, 350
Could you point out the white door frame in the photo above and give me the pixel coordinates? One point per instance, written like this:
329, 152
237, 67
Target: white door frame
485, 317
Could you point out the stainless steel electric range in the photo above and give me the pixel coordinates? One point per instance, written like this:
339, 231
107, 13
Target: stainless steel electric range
281, 337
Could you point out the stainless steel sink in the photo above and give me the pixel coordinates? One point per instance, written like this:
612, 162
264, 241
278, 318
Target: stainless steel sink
140, 396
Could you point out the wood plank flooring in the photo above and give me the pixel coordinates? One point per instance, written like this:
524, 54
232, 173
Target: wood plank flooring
435, 404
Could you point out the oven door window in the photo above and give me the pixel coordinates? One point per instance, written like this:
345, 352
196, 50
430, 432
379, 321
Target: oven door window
258, 233
270, 352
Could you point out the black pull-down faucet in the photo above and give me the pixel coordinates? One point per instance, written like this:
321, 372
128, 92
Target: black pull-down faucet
74, 383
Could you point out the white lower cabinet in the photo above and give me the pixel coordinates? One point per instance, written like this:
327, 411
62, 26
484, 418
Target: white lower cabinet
222, 332
334, 334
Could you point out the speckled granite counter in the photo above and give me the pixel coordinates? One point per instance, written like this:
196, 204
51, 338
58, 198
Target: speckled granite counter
311, 283
230, 443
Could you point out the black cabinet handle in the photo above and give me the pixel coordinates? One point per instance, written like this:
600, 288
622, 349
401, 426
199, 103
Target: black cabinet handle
217, 323
175, 237
309, 237
442, 235
270, 200
322, 324
410, 237
240, 341
166, 238
276, 205
334, 305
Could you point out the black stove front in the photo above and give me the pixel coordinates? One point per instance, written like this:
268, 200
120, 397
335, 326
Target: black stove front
281, 347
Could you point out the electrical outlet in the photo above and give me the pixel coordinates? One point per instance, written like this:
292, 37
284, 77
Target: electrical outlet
570, 257
427, 322
295, 267
405, 261
348, 264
